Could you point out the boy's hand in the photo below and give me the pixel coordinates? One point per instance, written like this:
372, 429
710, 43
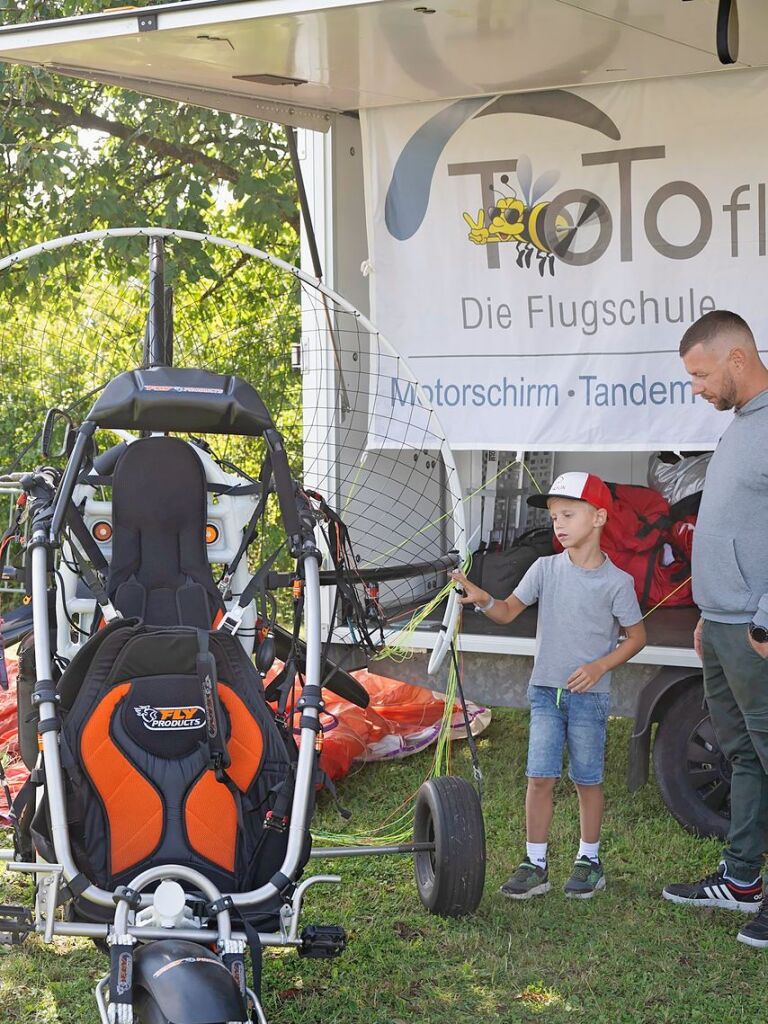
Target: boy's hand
472, 594
586, 676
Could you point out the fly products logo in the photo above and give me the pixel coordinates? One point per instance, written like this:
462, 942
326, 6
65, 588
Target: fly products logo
162, 719
182, 390
237, 970
124, 973
209, 706
575, 226
188, 960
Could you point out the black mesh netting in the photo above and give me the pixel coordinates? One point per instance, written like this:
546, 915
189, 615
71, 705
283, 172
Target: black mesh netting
356, 426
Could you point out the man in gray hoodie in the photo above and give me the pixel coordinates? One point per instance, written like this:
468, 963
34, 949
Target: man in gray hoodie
730, 586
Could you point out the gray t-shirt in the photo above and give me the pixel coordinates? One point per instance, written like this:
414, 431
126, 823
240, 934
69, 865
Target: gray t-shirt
580, 611
730, 559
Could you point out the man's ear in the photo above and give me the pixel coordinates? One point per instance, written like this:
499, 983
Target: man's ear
737, 358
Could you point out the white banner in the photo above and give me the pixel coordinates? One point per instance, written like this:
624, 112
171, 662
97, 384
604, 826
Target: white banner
537, 257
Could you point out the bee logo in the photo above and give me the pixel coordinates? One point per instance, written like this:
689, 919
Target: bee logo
522, 220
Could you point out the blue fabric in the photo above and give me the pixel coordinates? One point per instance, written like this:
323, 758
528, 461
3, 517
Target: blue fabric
560, 718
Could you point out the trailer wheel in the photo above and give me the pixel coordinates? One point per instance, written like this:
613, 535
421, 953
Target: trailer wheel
692, 773
451, 877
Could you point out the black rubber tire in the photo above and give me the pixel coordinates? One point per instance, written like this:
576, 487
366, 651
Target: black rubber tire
449, 879
692, 774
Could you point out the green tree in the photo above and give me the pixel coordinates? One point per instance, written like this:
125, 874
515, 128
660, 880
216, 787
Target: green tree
77, 156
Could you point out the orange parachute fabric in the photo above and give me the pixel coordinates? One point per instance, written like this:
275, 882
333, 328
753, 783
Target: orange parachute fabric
401, 719
15, 771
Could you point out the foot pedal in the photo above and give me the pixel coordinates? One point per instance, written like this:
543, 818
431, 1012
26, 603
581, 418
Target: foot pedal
15, 924
323, 941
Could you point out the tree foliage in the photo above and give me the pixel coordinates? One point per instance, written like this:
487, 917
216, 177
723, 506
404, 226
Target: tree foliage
77, 156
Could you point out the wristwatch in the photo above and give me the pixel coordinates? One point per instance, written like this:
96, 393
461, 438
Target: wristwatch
758, 634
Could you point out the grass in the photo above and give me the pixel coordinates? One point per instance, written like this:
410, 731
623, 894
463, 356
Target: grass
625, 957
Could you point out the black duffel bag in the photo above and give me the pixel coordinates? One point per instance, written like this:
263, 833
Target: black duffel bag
499, 572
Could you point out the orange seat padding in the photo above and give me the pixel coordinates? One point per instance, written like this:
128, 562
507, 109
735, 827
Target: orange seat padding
210, 812
135, 809
245, 743
133, 806
210, 819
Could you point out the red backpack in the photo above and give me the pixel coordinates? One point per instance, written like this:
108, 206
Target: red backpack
643, 533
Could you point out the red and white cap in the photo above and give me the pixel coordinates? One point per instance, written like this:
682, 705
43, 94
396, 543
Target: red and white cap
580, 487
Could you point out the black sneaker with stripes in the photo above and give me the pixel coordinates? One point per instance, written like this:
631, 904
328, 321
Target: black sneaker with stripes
717, 891
755, 931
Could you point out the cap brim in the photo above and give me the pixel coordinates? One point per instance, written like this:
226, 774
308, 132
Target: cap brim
540, 500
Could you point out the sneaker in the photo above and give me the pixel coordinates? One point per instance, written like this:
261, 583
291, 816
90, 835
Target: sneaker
529, 880
755, 932
717, 891
586, 879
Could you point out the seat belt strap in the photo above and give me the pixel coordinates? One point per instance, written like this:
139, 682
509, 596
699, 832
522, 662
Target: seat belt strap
205, 664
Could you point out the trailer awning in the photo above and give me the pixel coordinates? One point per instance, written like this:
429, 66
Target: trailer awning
303, 61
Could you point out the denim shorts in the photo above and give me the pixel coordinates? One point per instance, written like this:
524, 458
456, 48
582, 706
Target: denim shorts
576, 719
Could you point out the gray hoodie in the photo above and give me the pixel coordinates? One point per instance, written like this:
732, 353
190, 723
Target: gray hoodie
730, 542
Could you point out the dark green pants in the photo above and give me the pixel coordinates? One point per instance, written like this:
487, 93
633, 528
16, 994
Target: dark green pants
736, 687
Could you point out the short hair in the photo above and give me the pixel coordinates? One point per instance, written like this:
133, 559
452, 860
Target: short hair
710, 326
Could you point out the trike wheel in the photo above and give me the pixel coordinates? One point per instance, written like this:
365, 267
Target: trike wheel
450, 877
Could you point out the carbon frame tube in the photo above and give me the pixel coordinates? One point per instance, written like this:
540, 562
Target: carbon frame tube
54, 782
367, 851
69, 480
156, 347
85, 929
306, 763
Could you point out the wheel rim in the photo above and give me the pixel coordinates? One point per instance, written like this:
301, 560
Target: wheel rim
424, 860
431, 839
708, 770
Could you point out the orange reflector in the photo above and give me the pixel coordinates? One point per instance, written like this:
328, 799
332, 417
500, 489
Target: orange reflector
211, 534
102, 531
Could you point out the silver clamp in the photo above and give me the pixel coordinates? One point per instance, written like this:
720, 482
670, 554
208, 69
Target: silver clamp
232, 620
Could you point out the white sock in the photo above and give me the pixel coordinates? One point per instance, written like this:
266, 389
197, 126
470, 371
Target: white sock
589, 850
537, 854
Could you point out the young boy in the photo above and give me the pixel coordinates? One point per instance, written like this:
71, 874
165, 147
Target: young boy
583, 600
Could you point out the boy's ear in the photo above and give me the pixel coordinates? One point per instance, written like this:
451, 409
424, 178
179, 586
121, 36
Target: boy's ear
602, 517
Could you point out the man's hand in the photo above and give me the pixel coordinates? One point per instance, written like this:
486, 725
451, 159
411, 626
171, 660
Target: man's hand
697, 638
472, 593
761, 649
586, 676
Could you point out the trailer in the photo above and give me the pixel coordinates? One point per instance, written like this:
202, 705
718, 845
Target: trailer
531, 201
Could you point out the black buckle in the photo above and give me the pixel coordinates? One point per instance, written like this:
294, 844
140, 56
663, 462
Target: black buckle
216, 765
124, 893
281, 719
275, 823
216, 906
